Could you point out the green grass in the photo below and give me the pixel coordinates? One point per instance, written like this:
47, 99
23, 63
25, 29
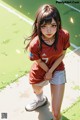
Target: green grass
70, 49
76, 87
13, 59
73, 112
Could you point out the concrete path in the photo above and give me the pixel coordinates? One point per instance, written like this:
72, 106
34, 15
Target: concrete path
15, 96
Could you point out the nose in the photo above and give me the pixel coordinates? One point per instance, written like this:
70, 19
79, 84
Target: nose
48, 30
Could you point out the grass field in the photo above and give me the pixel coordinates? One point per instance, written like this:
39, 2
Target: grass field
73, 113
13, 61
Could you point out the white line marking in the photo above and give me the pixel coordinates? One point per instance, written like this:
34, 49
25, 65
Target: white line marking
15, 13
69, 5
73, 51
72, 7
26, 20
73, 45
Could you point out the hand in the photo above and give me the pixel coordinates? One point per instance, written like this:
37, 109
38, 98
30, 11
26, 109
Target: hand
48, 76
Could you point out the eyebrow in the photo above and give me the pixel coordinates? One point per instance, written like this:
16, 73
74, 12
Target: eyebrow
47, 24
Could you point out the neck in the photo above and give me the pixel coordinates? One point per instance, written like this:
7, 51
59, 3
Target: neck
48, 39
44, 38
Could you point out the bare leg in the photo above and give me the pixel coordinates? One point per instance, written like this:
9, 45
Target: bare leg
37, 89
57, 92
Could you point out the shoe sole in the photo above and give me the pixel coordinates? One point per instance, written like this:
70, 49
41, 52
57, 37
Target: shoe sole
38, 106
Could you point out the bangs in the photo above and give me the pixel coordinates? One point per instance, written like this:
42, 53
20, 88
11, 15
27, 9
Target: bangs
45, 19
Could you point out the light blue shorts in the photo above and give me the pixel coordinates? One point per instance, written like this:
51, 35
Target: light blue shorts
59, 77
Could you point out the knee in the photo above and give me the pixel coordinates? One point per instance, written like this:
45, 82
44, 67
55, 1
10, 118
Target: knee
37, 89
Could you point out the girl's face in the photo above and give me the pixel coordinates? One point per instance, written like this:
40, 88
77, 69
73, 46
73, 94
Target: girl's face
48, 30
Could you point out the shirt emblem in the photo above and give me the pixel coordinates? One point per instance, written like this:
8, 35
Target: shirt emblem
31, 55
43, 54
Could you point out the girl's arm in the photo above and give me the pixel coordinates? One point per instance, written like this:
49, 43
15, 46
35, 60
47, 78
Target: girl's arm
42, 65
48, 75
57, 62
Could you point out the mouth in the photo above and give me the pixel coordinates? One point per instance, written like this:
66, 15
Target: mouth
49, 34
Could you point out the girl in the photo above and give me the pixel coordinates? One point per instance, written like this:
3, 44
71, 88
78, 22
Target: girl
47, 48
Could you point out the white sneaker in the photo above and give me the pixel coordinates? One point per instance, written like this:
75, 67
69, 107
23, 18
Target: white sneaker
35, 104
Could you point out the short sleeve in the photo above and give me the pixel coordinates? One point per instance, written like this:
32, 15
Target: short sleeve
66, 42
34, 52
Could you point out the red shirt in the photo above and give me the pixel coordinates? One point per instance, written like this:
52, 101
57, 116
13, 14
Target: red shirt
48, 54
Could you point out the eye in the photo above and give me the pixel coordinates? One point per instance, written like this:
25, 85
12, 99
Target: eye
43, 26
54, 25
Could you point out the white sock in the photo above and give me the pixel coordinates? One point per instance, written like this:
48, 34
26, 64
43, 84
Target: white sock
39, 96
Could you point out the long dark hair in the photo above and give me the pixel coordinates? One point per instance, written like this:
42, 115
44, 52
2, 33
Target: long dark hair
45, 14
